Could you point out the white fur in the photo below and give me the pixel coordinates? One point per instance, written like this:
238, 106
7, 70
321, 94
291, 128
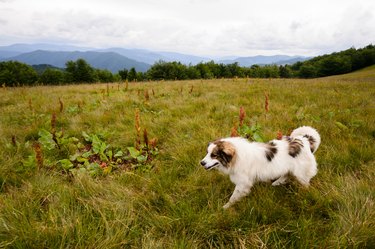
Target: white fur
250, 165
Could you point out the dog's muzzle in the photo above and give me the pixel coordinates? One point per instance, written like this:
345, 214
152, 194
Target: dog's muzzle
204, 164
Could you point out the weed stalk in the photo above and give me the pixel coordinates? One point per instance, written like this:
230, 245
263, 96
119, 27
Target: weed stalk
38, 154
61, 105
138, 130
266, 105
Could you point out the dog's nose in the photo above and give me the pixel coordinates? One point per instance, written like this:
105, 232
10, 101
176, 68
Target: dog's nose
203, 163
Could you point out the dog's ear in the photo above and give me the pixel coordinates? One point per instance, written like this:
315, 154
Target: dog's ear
226, 152
216, 142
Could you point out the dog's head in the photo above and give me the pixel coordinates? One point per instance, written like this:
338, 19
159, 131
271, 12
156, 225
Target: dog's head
220, 154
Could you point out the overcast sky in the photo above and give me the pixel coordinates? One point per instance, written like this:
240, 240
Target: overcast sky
200, 27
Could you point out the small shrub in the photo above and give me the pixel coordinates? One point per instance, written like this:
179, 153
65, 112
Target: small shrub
252, 132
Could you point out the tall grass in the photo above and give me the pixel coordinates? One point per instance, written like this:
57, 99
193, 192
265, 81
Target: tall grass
177, 204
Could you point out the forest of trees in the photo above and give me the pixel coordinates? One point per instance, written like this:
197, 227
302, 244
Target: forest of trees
14, 73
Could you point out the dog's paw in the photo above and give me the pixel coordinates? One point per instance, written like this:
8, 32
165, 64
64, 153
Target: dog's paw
226, 206
280, 181
276, 183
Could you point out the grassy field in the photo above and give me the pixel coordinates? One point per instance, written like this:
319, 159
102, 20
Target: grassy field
172, 202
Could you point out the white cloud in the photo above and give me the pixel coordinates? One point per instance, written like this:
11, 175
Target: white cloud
205, 27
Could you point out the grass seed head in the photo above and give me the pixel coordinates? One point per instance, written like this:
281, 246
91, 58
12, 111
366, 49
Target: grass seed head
266, 105
30, 105
14, 141
234, 132
191, 89
279, 135
61, 105
145, 137
38, 154
153, 142
137, 129
147, 96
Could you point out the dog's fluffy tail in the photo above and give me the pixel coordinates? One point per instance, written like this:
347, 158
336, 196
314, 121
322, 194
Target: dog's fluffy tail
311, 134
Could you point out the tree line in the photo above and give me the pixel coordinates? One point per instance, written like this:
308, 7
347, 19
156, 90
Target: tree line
13, 73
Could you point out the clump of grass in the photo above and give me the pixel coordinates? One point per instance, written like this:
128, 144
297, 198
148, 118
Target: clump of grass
242, 116
73, 155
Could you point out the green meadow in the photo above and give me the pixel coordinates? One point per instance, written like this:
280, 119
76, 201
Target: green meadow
49, 200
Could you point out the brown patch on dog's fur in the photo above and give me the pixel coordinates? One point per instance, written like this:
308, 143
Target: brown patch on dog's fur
295, 146
224, 152
311, 141
287, 138
271, 151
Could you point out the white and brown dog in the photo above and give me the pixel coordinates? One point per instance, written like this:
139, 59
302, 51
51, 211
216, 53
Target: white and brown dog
249, 162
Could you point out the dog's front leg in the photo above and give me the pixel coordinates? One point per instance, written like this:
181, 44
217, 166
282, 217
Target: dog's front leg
239, 192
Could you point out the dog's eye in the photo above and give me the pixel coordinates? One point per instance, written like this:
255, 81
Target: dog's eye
213, 155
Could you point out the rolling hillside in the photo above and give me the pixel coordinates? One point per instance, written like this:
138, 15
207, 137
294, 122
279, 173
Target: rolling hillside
150, 57
263, 60
365, 74
32, 53
102, 60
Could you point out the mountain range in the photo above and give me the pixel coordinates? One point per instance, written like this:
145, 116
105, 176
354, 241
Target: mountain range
115, 59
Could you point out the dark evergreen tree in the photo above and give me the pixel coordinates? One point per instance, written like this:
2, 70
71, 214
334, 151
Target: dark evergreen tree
14, 73
132, 75
80, 71
52, 77
123, 74
104, 75
308, 71
285, 71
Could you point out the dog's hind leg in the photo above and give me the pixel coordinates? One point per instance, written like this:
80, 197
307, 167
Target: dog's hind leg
281, 180
239, 192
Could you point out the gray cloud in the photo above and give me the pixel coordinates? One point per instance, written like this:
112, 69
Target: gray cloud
204, 27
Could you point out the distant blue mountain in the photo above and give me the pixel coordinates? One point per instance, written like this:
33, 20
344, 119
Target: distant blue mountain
115, 59
151, 57
264, 60
24, 48
293, 60
102, 60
